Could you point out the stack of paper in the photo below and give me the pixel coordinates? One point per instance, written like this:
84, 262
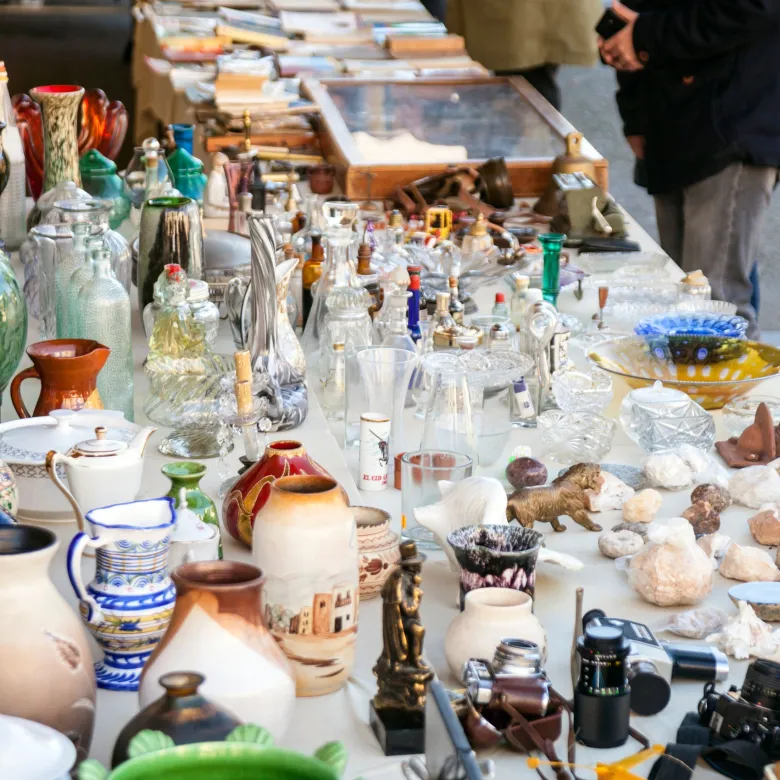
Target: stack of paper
255, 28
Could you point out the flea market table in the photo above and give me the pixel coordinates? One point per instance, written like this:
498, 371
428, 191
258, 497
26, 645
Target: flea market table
344, 715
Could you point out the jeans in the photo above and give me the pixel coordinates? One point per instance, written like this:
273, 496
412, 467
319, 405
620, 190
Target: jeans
714, 226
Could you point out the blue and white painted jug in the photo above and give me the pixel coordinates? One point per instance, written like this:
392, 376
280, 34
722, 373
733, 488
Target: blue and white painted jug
129, 603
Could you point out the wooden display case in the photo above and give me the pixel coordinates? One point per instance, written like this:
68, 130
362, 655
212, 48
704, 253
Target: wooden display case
476, 118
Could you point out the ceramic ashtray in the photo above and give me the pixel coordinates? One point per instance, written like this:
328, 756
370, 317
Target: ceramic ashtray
764, 597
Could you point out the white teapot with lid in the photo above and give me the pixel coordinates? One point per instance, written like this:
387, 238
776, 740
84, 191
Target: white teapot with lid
100, 471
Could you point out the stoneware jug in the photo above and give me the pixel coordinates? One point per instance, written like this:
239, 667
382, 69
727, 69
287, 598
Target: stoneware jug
129, 603
100, 471
489, 616
218, 628
67, 370
305, 541
46, 671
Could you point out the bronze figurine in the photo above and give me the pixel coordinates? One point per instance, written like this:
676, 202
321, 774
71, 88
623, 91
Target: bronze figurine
564, 496
398, 709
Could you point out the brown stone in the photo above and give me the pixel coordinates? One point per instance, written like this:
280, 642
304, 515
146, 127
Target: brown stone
717, 497
765, 527
703, 518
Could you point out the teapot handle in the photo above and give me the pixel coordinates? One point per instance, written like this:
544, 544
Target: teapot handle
16, 395
52, 459
75, 552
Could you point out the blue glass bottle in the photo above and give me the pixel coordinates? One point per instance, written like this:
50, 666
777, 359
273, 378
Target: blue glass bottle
414, 302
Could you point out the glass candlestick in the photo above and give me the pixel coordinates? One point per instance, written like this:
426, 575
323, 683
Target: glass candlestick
551, 285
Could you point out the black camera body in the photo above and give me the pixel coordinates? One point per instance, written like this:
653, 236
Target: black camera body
751, 713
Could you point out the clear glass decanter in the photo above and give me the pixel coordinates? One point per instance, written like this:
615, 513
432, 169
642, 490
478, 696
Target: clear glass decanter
105, 317
397, 335
67, 265
314, 223
78, 279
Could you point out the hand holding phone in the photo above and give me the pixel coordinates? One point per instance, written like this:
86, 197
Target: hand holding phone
609, 24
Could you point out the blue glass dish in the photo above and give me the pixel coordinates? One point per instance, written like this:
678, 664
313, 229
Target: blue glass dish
693, 324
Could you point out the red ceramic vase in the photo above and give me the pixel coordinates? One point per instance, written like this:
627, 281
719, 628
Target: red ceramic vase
249, 494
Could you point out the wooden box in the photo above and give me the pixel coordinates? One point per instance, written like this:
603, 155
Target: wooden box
466, 120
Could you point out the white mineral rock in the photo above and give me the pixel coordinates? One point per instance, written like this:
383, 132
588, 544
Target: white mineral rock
668, 471
715, 546
615, 544
749, 564
746, 635
754, 486
612, 494
643, 506
765, 526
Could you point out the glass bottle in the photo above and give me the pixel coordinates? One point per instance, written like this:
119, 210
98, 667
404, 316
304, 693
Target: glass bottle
348, 321
369, 279
13, 207
203, 309
397, 335
396, 282
551, 284
500, 309
68, 264
310, 275
334, 383
76, 284
443, 321
477, 239
395, 237
105, 318
313, 222
456, 307
138, 179
100, 179
519, 300
414, 303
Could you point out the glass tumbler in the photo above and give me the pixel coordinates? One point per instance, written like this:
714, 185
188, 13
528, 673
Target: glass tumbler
449, 419
551, 246
421, 472
379, 385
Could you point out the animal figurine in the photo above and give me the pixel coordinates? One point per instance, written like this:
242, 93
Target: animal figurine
564, 496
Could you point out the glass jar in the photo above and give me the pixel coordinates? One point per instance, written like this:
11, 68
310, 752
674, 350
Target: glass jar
695, 285
204, 311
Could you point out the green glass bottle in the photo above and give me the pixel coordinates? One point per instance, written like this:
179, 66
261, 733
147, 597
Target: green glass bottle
187, 475
551, 284
100, 179
188, 176
67, 265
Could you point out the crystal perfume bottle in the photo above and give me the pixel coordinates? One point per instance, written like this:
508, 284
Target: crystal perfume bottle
105, 317
314, 222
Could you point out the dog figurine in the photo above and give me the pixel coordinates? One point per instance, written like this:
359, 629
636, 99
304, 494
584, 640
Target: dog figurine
565, 496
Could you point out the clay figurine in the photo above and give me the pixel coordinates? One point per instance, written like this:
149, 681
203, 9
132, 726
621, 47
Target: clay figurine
756, 445
397, 712
564, 496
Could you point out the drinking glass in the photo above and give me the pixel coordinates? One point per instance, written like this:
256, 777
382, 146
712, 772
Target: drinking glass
424, 375
551, 246
449, 423
421, 472
379, 385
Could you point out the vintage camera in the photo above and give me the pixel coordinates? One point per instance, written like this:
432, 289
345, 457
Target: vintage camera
751, 713
652, 665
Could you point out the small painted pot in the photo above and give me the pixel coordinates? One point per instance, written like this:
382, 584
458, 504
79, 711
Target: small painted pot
496, 556
377, 548
9, 492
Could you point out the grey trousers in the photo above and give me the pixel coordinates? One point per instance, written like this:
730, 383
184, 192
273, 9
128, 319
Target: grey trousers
714, 225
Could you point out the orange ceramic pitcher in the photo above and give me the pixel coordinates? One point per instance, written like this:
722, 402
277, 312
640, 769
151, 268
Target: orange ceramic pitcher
68, 370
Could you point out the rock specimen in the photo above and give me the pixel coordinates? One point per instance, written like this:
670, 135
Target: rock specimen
703, 518
667, 471
642, 507
717, 497
672, 569
745, 635
715, 545
749, 564
615, 544
636, 528
612, 493
754, 486
526, 472
765, 526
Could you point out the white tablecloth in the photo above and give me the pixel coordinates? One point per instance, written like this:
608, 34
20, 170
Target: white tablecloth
344, 715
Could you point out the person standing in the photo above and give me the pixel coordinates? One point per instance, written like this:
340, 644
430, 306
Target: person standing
529, 38
699, 96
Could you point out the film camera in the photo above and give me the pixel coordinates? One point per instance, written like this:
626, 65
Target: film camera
652, 665
751, 713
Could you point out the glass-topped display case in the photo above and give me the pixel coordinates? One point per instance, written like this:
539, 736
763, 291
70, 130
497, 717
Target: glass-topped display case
401, 131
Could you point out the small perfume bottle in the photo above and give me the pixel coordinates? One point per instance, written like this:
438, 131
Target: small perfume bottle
500, 309
456, 307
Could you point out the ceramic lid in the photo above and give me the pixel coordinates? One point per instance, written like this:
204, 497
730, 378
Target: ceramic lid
32, 751
27, 441
658, 394
189, 527
100, 446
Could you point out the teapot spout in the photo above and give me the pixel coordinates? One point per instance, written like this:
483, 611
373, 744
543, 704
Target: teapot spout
141, 439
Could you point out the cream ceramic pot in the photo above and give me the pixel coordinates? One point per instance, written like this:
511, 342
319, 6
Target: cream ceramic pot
489, 616
101, 472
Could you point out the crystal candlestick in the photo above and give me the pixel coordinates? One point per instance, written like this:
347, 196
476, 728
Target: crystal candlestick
551, 285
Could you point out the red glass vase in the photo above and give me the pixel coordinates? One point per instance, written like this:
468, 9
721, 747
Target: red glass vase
281, 459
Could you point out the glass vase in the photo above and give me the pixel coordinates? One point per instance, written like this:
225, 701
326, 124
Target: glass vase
551, 246
13, 323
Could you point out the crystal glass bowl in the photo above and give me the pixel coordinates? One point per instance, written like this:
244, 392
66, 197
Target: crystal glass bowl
576, 438
693, 323
712, 384
741, 412
582, 391
654, 433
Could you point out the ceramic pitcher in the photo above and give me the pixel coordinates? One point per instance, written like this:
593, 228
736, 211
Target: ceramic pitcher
67, 370
129, 603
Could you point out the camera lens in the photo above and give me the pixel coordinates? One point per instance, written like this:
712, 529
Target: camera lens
602, 703
762, 684
650, 693
518, 657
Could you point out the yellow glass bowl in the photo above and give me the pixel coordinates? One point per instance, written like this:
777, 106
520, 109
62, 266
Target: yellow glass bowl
712, 385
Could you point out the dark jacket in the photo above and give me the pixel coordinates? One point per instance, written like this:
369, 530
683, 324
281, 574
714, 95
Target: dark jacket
709, 94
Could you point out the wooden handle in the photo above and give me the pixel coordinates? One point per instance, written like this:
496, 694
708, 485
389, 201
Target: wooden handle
16, 395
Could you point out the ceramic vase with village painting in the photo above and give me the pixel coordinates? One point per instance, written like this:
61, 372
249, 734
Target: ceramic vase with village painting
46, 671
305, 541
129, 603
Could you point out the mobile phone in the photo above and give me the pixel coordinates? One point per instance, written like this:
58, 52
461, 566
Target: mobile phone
609, 24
